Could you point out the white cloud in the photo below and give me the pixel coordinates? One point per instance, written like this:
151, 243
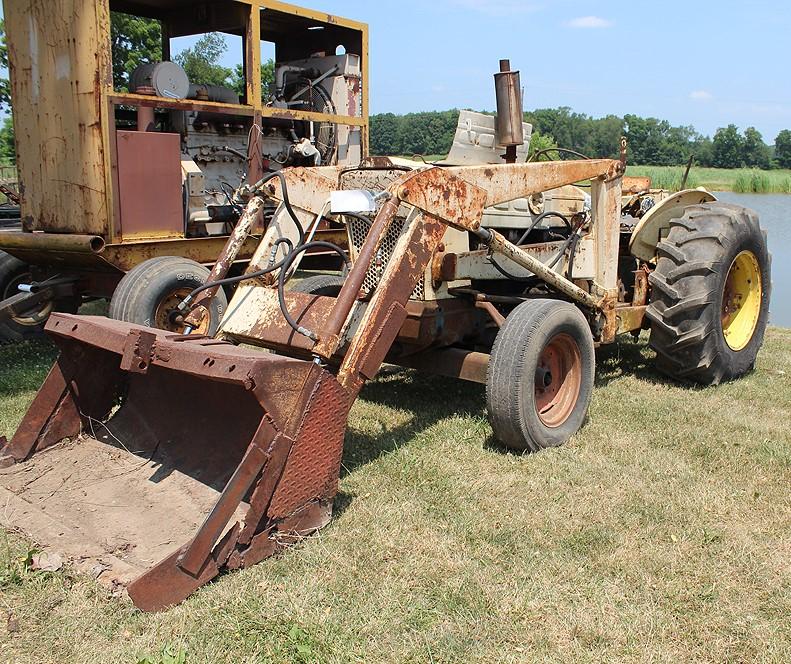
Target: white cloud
497, 7
590, 22
700, 95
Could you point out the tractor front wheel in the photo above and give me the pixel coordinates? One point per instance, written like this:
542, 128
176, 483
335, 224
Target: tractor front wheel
540, 376
150, 293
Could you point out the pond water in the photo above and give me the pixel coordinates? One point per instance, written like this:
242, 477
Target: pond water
774, 212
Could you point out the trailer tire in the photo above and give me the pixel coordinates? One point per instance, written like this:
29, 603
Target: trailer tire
540, 376
710, 294
328, 285
150, 292
12, 273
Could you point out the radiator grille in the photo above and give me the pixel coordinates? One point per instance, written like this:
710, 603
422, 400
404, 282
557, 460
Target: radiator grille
358, 230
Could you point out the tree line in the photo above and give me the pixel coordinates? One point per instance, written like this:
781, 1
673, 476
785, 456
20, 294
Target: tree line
650, 141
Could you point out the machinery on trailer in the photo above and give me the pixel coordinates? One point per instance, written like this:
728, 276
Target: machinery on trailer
128, 194
222, 455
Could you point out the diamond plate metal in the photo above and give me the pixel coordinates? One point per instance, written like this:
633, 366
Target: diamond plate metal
313, 466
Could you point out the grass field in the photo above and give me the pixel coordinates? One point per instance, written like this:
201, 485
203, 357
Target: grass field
661, 532
742, 180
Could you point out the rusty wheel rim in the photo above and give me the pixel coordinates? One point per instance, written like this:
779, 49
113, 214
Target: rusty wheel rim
558, 380
167, 317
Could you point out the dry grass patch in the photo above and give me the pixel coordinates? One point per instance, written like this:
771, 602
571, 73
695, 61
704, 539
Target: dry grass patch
662, 531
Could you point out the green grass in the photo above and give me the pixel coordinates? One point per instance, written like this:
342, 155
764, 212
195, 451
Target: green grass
742, 180
660, 532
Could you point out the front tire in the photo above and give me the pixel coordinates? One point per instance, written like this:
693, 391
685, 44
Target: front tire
540, 376
710, 294
150, 292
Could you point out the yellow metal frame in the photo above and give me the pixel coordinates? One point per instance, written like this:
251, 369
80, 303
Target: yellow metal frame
66, 162
252, 57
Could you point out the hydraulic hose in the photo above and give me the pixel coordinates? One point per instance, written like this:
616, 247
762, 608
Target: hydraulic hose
535, 156
231, 280
539, 219
242, 277
572, 238
284, 264
286, 202
281, 282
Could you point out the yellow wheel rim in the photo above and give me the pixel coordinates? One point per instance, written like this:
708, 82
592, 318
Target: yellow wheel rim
741, 300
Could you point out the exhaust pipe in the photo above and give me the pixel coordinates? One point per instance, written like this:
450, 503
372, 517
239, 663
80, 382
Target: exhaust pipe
508, 124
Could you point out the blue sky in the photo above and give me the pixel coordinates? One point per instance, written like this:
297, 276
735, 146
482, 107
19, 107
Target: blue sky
703, 63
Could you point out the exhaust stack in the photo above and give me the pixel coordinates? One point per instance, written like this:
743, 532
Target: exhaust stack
508, 91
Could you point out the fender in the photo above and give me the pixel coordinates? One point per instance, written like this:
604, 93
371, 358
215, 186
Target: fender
651, 227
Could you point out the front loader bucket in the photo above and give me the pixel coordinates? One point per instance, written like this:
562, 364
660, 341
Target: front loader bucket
156, 460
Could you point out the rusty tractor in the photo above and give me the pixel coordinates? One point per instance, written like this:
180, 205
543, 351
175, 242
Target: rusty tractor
222, 455
127, 181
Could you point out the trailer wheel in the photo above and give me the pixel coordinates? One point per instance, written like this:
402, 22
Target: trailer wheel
710, 294
150, 292
320, 284
540, 376
14, 272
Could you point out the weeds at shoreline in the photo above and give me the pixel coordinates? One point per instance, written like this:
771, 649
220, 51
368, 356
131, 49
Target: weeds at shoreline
739, 180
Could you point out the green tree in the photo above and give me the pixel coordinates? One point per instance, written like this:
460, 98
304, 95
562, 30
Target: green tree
7, 147
727, 148
754, 151
783, 149
603, 137
656, 142
385, 134
703, 150
200, 61
267, 78
567, 127
539, 142
133, 41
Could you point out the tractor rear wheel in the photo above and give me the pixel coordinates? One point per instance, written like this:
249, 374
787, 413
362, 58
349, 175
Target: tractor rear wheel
150, 293
540, 376
320, 284
710, 294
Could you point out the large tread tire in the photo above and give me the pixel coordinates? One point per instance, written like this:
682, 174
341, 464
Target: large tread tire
512, 373
13, 272
143, 290
687, 290
320, 284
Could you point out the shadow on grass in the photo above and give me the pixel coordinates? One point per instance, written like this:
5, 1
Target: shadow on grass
627, 357
428, 398
432, 398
